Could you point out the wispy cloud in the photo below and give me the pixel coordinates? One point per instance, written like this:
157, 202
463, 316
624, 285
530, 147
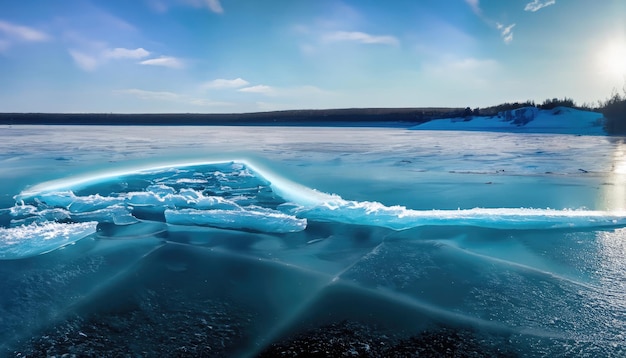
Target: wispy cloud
164, 61
453, 66
472, 64
149, 95
506, 32
124, 53
281, 98
158, 6
22, 33
170, 97
84, 61
263, 89
163, 6
475, 5
306, 91
537, 5
300, 93
11, 34
215, 6
224, 83
88, 58
360, 37
463, 73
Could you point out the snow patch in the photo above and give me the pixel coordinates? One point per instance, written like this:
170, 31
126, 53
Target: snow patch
560, 120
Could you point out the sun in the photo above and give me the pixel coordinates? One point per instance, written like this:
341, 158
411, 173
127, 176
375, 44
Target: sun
612, 59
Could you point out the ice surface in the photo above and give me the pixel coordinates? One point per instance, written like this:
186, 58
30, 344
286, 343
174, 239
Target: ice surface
470, 241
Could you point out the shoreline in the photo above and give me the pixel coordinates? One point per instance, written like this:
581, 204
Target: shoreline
530, 119
377, 117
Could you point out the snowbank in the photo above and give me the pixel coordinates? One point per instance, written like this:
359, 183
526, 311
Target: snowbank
560, 120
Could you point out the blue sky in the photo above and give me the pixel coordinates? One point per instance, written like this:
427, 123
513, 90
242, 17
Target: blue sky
251, 55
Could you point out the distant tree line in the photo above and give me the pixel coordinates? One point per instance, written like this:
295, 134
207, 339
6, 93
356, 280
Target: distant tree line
547, 104
555, 102
614, 111
507, 106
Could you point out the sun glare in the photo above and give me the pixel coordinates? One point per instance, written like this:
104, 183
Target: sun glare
612, 59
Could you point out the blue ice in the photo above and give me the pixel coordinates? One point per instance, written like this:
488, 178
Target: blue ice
402, 229
232, 195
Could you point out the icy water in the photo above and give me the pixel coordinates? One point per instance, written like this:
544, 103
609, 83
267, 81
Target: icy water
300, 241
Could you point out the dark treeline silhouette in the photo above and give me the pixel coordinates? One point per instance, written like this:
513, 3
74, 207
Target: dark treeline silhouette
547, 104
555, 102
495, 110
613, 109
353, 116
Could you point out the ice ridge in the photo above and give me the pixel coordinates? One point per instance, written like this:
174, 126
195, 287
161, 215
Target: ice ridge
235, 195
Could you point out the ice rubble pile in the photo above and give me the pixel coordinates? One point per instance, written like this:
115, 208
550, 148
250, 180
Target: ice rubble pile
227, 195
223, 195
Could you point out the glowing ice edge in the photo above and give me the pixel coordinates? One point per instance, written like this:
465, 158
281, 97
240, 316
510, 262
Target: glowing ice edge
288, 190
327, 207
40, 238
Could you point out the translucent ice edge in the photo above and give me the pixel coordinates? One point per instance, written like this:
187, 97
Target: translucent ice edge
38, 238
401, 218
314, 205
287, 189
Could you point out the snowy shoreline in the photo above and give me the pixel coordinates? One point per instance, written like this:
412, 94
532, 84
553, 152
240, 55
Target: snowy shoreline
560, 120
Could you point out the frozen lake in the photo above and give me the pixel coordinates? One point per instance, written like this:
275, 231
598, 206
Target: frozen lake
248, 241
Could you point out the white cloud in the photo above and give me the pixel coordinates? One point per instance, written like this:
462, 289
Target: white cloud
298, 92
163, 6
537, 5
305, 91
83, 60
203, 102
150, 95
268, 106
263, 89
124, 53
166, 96
158, 6
215, 6
454, 66
360, 37
295, 97
22, 33
94, 54
474, 4
11, 33
472, 64
506, 32
165, 61
224, 83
